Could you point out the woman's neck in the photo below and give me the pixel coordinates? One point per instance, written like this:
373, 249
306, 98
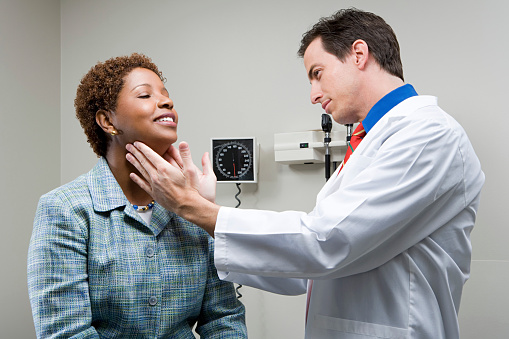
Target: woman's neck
121, 170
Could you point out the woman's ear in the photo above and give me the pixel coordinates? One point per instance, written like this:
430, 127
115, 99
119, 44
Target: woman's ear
102, 117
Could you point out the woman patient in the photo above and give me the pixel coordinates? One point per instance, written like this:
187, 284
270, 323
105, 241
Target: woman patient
105, 260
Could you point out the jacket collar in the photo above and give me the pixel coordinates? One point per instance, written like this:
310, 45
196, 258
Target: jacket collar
107, 195
104, 189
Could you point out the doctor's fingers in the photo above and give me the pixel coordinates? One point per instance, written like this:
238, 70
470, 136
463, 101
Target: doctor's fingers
158, 163
140, 161
142, 183
172, 155
159, 174
207, 165
190, 168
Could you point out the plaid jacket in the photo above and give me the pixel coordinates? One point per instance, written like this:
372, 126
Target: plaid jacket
97, 270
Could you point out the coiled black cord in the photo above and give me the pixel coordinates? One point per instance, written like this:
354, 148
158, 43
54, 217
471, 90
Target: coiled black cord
237, 195
239, 295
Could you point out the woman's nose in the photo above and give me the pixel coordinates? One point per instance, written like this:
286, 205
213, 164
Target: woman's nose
165, 102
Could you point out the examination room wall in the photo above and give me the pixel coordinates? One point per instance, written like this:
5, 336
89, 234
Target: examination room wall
30, 142
232, 71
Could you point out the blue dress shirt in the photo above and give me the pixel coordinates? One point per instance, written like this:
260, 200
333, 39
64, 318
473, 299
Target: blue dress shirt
388, 102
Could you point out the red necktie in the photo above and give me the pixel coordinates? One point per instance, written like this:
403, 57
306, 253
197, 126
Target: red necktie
355, 140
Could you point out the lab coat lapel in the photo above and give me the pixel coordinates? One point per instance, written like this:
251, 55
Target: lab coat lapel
348, 173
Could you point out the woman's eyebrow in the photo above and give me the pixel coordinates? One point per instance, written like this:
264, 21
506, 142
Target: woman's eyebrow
140, 85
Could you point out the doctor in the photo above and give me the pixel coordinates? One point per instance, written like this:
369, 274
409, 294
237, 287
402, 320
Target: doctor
386, 250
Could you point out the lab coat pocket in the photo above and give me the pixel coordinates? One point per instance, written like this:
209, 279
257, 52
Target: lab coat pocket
356, 329
355, 165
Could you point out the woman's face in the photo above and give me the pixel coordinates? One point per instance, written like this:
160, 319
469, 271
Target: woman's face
145, 112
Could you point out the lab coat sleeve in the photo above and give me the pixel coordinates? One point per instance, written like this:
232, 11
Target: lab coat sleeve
387, 201
284, 286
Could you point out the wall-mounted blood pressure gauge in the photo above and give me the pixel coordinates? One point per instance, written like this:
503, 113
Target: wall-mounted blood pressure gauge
235, 159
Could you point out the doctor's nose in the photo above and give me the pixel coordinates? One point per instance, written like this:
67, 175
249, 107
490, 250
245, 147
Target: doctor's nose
316, 95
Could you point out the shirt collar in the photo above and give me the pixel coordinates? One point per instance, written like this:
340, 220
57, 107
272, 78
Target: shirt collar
388, 102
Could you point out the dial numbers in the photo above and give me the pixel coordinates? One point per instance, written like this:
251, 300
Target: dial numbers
233, 160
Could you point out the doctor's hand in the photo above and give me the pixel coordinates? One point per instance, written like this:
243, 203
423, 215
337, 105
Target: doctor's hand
176, 183
205, 182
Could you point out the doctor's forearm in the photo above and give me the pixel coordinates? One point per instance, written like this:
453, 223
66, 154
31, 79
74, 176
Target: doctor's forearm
201, 212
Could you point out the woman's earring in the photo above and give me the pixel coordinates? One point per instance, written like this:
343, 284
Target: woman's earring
114, 132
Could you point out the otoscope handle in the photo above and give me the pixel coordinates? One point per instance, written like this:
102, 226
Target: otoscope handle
348, 133
327, 167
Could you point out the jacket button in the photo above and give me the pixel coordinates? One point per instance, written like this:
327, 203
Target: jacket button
149, 252
152, 301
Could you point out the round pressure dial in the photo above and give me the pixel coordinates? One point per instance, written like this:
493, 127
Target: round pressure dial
233, 160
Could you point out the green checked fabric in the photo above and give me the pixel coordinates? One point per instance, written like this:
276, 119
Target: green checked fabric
97, 270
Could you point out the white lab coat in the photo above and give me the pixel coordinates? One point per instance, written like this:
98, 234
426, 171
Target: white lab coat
388, 243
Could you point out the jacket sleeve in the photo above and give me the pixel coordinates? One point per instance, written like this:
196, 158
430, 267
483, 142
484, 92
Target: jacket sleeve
222, 314
57, 272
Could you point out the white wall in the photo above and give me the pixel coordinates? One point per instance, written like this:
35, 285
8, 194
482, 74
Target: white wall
232, 70
30, 139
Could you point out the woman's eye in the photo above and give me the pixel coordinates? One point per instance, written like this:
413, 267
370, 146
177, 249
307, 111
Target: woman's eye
316, 73
144, 96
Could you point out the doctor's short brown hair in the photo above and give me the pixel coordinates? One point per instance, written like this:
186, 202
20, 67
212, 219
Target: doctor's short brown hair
339, 31
99, 90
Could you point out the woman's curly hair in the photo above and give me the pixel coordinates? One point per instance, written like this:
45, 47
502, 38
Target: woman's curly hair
99, 89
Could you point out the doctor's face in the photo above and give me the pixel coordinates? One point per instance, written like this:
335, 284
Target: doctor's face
334, 84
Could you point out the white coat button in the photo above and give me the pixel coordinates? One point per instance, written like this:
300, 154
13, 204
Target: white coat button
152, 301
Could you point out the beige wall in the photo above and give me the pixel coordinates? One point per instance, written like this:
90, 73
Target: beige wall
30, 139
232, 70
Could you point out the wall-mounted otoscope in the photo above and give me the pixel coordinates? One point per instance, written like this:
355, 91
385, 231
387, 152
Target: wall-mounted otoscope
327, 127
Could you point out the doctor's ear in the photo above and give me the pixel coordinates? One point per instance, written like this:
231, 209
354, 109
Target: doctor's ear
360, 53
102, 117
